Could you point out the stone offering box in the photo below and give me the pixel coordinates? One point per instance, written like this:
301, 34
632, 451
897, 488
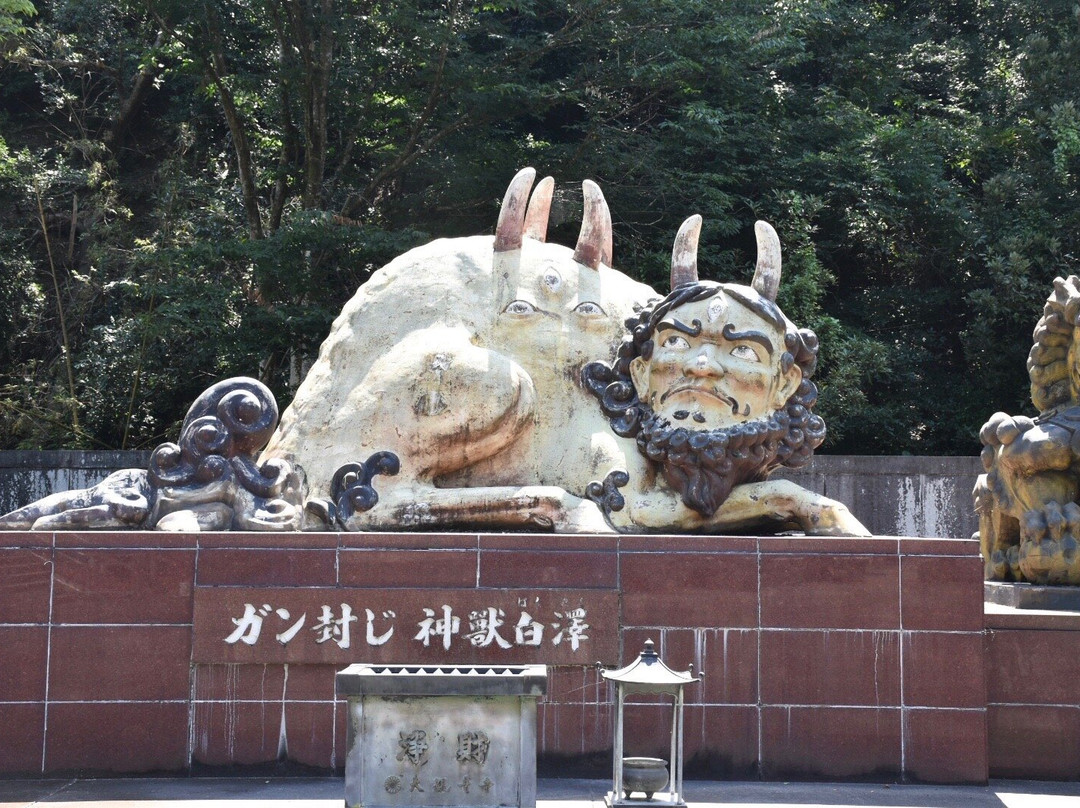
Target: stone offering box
823, 658
441, 736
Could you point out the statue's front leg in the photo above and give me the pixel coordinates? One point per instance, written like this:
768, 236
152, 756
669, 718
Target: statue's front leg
1028, 470
783, 501
542, 507
1049, 551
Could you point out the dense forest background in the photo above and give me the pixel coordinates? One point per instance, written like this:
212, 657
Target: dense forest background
191, 189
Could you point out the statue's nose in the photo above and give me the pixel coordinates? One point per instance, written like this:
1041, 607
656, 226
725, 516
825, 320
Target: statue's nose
704, 363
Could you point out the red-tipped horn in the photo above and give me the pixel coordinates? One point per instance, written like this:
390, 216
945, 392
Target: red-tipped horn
684, 253
536, 217
767, 274
594, 241
508, 231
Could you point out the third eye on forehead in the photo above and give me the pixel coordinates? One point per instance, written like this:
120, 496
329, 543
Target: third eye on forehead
551, 280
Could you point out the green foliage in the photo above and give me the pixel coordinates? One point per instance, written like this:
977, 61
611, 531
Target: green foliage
12, 15
216, 178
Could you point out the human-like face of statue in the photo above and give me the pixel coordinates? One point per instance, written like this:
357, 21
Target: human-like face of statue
715, 364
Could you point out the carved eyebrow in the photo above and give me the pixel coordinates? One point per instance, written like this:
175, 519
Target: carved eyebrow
693, 331
759, 337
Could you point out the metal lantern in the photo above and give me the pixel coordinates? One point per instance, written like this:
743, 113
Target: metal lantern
648, 674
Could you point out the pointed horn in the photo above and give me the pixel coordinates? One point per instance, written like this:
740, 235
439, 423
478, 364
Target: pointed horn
594, 241
511, 224
536, 217
684, 253
767, 274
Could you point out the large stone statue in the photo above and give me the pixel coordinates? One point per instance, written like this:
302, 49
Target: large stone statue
463, 358
1029, 516
467, 359
490, 382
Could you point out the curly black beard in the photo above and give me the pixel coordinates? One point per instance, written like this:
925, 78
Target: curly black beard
704, 465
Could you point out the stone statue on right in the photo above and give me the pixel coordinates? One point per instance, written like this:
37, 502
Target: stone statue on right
1029, 499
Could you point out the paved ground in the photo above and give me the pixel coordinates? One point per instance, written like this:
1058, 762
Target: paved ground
327, 792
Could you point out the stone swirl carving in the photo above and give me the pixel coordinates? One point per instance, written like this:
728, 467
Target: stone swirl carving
208, 481
606, 494
223, 429
352, 490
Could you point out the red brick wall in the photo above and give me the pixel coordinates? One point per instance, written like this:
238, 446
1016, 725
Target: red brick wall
835, 658
1033, 666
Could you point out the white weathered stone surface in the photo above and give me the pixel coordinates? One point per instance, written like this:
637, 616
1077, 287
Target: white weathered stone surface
464, 359
466, 363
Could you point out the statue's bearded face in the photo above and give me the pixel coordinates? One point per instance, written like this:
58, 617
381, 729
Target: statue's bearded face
715, 364
714, 384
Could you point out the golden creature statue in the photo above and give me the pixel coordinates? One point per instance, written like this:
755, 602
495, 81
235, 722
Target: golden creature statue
1029, 516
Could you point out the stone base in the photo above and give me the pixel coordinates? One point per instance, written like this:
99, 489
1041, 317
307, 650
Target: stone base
823, 657
446, 737
1032, 712
1032, 596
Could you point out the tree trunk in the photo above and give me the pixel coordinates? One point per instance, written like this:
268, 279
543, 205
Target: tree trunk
288, 155
216, 70
314, 38
143, 81
315, 157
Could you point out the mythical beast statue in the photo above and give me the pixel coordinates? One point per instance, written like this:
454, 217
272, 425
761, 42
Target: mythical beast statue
713, 386
1029, 499
491, 382
474, 362
463, 357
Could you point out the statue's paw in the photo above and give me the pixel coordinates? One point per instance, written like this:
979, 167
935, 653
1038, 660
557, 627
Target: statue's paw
1053, 521
1002, 429
834, 519
205, 517
584, 517
1049, 551
121, 500
998, 568
92, 517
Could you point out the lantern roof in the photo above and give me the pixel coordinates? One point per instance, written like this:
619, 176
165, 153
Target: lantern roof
648, 673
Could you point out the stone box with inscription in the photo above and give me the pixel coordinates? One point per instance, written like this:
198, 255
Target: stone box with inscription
441, 735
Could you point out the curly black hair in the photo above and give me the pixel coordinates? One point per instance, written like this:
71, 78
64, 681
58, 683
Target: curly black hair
613, 386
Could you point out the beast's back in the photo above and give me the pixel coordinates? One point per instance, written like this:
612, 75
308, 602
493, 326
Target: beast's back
463, 358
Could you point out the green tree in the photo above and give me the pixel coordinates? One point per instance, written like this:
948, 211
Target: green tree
216, 177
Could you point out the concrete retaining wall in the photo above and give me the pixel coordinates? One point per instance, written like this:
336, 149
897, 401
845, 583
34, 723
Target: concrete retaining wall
893, 496
900, 496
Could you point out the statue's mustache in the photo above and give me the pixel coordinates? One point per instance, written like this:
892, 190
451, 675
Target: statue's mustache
710, 391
